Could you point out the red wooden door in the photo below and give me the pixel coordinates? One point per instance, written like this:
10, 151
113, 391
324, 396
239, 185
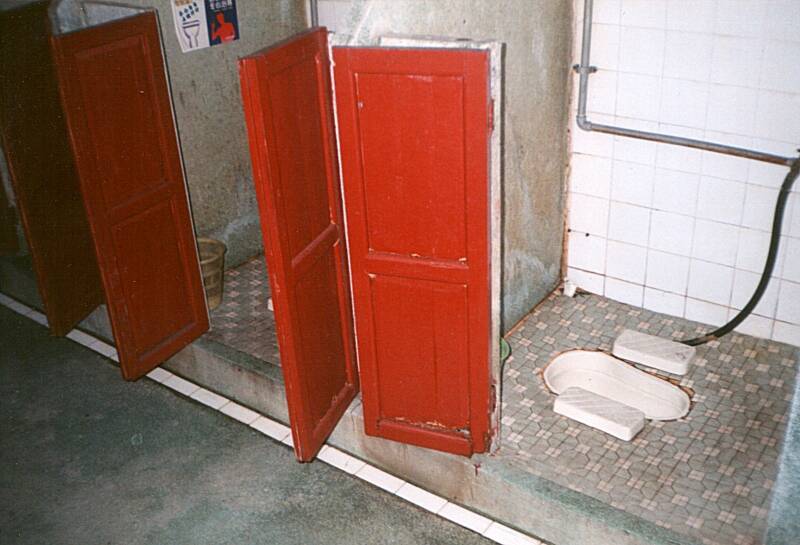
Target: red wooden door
117, 104
35, 141
8, 235
414, 136
287, 101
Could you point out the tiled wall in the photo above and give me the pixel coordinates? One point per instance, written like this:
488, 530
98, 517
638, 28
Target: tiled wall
677, 230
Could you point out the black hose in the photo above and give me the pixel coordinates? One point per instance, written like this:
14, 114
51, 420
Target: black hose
772, 255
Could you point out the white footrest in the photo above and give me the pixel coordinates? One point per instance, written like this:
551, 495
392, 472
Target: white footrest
652, 351
599, 412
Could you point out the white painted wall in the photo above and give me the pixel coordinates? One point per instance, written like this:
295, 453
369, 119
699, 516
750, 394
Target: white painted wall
676, 230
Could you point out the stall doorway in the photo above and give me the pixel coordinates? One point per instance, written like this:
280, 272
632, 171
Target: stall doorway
414, 131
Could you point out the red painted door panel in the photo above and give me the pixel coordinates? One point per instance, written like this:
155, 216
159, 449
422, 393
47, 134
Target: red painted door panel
414, 136
42, 169
287, 101
116, 99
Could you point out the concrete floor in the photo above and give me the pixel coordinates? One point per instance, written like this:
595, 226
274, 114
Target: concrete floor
88, 458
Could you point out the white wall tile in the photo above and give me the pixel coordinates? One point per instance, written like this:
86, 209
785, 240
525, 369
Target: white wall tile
632, 183
664, 302
465, 518
719, 70
782, 20
380, 478
706, 313
732, 109
767, 174
710, 282
793, 209
788, 303
777, 116
607, 11
791, 259
588, 214
587, 252
504, 535
720, 200
684, 102
744, 285
757, 326
780, 65
727, 166
715, 242
626, 261
667, 272
590, 142
643, 13
752, 250
591, 175
688, 55
638, 96
735, 60
603, 96
676, 191
626, 223
740, 17
679, 157
626, 292
591, 282
632, 149
759, 207
691, 15
671, 232
423, 498
641, 50
786, 333
605, 46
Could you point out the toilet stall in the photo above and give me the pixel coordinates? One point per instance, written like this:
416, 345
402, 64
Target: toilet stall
377, 172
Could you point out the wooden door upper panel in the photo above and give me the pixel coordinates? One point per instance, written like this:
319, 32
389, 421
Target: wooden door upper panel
421, 156
414, 134
114, 75
287, 99
115, 94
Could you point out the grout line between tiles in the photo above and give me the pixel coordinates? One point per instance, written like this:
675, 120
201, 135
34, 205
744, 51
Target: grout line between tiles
408, 492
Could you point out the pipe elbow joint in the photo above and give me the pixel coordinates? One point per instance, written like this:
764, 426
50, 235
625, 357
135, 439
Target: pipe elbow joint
583, 123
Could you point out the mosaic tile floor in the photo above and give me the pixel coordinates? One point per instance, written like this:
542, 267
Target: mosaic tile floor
243, 320
707, 476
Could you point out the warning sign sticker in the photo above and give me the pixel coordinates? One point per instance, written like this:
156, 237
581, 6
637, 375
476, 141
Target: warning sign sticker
203, 23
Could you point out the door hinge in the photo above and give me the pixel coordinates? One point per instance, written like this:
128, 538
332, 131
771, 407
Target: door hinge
492, 398
491, 115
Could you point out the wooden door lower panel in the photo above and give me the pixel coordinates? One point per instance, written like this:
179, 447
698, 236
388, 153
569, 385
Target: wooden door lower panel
414, 136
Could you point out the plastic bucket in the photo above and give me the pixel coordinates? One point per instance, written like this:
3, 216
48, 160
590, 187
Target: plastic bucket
212, 266
505, 349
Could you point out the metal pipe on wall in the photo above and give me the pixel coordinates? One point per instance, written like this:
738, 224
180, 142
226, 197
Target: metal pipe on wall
313, 8
585, 68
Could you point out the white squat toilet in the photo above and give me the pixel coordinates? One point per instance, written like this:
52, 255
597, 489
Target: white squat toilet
609, 394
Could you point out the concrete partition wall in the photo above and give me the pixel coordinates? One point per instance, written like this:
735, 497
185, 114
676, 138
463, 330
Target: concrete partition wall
208, 110
537, 38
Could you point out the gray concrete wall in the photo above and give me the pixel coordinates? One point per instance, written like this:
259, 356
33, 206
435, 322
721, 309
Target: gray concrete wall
208, 108
208, 111
537, 34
